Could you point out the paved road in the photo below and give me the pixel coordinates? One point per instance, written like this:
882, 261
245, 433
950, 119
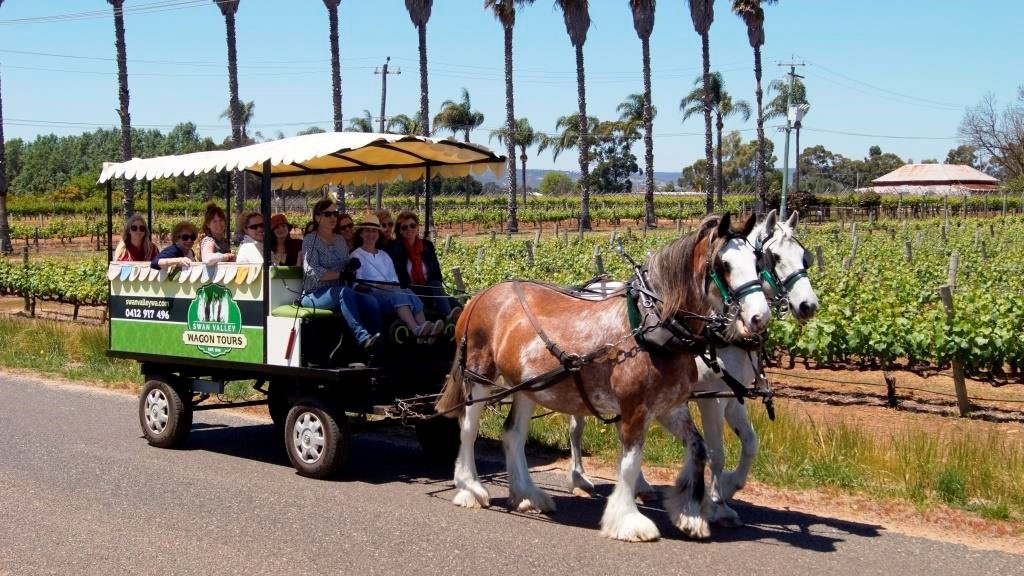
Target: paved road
82, 493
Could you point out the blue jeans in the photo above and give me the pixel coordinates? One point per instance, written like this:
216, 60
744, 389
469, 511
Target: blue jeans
395, 299
361, 311
434, 297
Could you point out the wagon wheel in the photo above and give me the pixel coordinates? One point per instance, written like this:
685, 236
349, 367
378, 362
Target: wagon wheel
439, 439
165, 413
316, 438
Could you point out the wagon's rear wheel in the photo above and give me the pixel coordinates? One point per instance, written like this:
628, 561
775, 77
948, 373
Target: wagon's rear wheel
316, 438
439, 439
165, 413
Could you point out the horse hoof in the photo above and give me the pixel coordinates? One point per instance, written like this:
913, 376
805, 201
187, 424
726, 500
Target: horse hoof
581, 485
723, 515
632, 528
695, 528
539, 503
467, 498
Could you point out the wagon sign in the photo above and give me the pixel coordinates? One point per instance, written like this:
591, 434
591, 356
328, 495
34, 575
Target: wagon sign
214, 322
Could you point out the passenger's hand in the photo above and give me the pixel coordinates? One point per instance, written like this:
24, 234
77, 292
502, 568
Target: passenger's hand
184, 262
229, 257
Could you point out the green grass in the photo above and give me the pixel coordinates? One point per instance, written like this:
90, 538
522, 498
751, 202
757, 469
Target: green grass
69, 350
974, 468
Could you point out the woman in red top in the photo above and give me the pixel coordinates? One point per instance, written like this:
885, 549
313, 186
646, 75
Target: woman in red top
135, 244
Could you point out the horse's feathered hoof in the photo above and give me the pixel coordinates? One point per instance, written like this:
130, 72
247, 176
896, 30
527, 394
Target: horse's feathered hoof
722, 515
537, 503
581, 485
633, 527
469, 498
693, 527
686, 516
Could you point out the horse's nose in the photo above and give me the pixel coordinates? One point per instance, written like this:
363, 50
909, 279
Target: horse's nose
807, 309
758, 322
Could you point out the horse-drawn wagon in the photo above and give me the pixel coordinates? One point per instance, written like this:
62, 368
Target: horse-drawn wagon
197, 328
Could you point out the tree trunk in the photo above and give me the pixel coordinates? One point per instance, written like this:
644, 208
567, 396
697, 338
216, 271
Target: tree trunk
709, 173
5, 230
237, 177
128, 202
510, 128
761, 161
424, 95
649, 216
719, 183
584, 141
332, 12
522, 158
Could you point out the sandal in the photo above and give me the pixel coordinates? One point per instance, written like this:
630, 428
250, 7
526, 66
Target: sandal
423, 332
436, 331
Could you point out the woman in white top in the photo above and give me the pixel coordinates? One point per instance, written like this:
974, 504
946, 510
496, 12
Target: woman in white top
214, 246
251, 250
378, 273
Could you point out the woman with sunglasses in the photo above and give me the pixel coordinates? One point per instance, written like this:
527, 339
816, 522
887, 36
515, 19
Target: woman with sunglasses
417, 266
377, 269
325, 259
251, 249
347, 229
215, 246
180, 252
135, 244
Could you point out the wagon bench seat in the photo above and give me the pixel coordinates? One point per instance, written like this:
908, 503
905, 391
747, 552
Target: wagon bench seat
293, 311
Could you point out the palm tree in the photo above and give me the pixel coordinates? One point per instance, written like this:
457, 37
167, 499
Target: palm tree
576, 14
505, 12
362, 123
458, 116
569, 137
248, 110
702, 12
403, 124
753, 16
228, 8
778, 107
5, 229
643, 23
332, 16
723, 107
419, 12
128, 202
631, 115
523, 137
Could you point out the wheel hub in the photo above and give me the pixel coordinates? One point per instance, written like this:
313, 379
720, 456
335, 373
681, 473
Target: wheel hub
309, 436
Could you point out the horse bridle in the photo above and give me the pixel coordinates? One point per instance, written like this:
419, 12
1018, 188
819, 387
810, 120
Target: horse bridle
730, 296
767, 263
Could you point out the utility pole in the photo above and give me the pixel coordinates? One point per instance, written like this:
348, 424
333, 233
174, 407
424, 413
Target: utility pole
789, 127
383, 71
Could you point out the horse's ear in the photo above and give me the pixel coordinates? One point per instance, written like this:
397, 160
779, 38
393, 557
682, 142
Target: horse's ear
748, 226
708, 224
725, 225
794, 218
771, 220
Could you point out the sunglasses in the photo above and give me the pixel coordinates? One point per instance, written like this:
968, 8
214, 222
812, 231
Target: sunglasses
187, 237
348, 226
410, 226
330, 213
137, 228
385, 224
257, 226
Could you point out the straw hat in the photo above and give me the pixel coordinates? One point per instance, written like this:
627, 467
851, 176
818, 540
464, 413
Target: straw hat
369, 221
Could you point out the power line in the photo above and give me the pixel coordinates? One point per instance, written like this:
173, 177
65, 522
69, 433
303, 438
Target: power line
888, 136
886, 90
148, 8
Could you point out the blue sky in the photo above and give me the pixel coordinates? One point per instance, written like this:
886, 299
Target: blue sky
898, 74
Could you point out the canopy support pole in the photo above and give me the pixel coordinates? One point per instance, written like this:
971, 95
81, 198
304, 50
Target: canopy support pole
110, 221
428, 201
265, 209
227, 210
149, 208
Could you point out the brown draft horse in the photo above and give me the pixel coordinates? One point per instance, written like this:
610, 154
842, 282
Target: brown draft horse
509, 336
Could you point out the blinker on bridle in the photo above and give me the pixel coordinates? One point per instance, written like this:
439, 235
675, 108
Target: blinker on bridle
731, 297
766, 261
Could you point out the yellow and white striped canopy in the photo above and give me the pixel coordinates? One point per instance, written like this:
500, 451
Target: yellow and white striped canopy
314, 160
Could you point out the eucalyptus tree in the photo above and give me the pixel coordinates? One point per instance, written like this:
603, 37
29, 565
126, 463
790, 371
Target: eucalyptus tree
5, 229
505, 12
702, 12
128, 202
332, 16
643, 23
419, 13
576, 14
752, 14
523, 137
723, 107
362, 123
228, 8
458, 116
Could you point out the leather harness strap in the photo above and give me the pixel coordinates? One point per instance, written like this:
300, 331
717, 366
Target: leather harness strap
571, 363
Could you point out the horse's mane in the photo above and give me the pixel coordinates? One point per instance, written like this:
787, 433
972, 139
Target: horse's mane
674, 270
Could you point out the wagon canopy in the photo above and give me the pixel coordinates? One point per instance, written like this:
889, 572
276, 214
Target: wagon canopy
314, 160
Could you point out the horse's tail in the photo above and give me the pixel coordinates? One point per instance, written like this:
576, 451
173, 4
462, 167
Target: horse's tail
454, 393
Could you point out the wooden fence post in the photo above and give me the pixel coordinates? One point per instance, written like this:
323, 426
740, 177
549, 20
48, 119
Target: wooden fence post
984, 252
24, 263
598, 261
565, 237
457, 276
890, 390
908, 253
494, 236
820, 257
954, 266
615, 236
479, 256
959, 384
536, 238
447, 243
529, 253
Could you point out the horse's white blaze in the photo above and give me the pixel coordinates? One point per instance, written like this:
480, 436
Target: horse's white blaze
742, 265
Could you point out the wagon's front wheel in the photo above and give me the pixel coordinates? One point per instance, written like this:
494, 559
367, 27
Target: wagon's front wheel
316, 438
165, 413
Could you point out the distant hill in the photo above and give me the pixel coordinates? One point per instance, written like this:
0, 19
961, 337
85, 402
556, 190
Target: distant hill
534, 176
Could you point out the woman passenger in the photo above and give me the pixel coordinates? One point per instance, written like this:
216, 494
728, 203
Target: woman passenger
417, 266
251, 249
215, 246
376, 267
135, 244
324, 260
180, 252
346, 227
284, 250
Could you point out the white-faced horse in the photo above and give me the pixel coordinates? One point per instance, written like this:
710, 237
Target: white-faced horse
783, 262
576, 356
